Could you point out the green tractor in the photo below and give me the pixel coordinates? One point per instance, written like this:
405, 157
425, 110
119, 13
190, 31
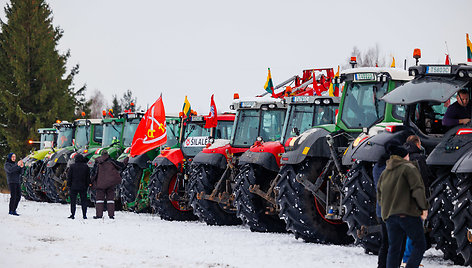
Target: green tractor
87, 135
448, 150
310, 191
31, 184
49, 179
135, 177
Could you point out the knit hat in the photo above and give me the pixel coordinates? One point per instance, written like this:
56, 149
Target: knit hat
398, 150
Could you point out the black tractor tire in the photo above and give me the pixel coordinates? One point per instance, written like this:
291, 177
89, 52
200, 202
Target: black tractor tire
251, 208
28, 184
360, 204
50, 186
443, 192
298, 206
131, 178
203, 178
462, 216
161, 186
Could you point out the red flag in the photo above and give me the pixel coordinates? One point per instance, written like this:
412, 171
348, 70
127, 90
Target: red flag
211, 119
448, 61
151, 132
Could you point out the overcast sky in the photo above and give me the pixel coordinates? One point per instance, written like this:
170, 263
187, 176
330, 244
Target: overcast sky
199, 48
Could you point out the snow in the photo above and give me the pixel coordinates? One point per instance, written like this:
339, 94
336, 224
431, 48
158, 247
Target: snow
42, 236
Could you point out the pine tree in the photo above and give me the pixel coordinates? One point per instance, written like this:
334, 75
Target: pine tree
35, 89
115, 105
128, 102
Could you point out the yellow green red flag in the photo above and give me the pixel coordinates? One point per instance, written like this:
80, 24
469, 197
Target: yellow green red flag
186, 109
469, 48
269, 86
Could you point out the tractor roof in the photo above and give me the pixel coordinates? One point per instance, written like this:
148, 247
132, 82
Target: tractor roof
258, 102
313, 99
81, 122
435, 83
395, 73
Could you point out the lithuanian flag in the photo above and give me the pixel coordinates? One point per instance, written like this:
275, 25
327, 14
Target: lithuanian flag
333, 90
469, 48
186, 109
269, 86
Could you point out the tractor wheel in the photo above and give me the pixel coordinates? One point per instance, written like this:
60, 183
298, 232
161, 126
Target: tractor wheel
163, 182
28, 178
251, 208
131, 178
203, 178
462, 217
360, 203
443, 191
50, 186
302, 212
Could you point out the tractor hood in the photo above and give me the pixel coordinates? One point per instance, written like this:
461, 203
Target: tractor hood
424, 89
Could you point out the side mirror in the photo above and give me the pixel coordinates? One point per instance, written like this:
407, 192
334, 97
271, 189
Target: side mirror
296, 131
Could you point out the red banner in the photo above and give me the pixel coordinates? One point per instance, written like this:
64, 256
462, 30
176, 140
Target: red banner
151, 132
211, 119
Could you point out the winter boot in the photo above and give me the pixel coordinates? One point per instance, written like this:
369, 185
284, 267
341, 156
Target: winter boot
111, 208
99, 208
71, 217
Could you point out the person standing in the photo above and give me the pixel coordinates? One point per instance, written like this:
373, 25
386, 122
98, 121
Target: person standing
402, 198
13, 171
377, 170
78, 176
459, 112
105, 179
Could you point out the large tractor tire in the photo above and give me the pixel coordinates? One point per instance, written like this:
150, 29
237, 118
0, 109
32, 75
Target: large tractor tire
251, 208
131, 178
360, 203
301, 211
51, 185
443, 192
203, 178
462, 217
161, 186
28, 183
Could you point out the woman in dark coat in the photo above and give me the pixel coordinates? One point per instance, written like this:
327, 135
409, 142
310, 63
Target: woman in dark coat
79, 180
13, 171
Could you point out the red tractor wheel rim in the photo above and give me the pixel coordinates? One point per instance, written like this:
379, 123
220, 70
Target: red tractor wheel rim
172, 183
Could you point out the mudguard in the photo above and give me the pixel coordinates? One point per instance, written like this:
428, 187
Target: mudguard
373, 147
168, 158
451, 149
310, 143
265, 154
60, 157
213, 159
140, 160
464, 164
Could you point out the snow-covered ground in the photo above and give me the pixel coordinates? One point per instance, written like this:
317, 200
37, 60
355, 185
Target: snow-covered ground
42, 236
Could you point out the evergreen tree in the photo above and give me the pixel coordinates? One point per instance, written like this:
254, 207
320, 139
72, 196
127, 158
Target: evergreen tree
128, 102
115, 105
35, 89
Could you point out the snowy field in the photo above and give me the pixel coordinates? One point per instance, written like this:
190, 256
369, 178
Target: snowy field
43, 237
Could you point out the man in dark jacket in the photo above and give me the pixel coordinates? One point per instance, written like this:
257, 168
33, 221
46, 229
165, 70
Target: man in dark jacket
13, 171
416, 154
459, 112
105, 180
78, 181
402, 199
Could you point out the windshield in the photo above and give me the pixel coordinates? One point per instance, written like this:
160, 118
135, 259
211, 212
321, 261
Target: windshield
253, 123
98, 133
64, 138
46, 140
224, 130
82, 134
362, 105
195, 138
306, 116
172, 135
111, 132
130, 128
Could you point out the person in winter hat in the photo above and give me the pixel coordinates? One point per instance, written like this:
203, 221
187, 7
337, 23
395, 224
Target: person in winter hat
13, 171
105, 178
78, 176
402, 198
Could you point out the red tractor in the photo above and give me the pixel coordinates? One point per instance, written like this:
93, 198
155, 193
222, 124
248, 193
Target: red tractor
168, 185
214, 170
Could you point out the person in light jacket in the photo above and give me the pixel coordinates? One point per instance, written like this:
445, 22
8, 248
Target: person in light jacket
105, 177
13, 171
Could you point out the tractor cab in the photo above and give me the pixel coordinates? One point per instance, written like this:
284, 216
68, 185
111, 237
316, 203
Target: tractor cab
65, 134
47, 137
